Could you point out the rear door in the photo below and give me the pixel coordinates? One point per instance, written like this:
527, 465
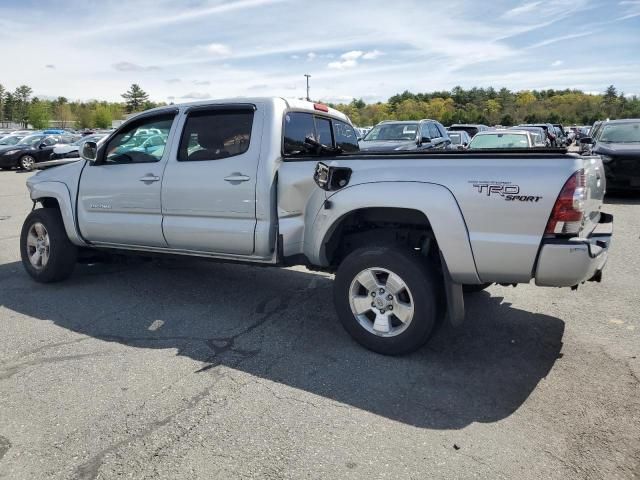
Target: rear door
119, 195
209, 189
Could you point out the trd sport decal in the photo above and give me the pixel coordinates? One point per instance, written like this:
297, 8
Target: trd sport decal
506, 190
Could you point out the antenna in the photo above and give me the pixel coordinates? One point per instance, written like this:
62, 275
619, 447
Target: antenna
308, 77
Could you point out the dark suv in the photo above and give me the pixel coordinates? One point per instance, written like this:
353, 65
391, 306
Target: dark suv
406, 135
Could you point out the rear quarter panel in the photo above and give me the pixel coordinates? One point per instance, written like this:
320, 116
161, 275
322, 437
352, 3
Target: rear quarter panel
504, 234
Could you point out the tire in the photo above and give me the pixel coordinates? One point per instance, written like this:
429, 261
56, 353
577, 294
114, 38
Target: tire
475, 288
27, 162
58, 255
421, 286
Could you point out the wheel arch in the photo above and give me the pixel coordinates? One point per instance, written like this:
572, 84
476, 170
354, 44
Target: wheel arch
57, 195
426, 206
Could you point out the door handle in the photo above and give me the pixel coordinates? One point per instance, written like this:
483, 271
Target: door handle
149, 178
237, 177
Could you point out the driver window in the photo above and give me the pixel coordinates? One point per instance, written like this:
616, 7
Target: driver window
141, 142
433, 131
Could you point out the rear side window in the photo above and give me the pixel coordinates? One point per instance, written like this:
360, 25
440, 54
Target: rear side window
330, 133
297, 127
215, 134
345, 137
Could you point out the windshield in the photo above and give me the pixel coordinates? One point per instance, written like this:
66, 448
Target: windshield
393, 132
30, 140
621, 133
455, 138
500, 140
11, 140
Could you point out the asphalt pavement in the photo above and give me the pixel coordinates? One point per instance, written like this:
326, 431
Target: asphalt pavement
190, 369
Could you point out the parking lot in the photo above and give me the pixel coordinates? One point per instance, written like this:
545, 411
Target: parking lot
166, 369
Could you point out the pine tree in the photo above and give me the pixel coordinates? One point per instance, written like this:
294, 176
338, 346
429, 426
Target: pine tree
135, 98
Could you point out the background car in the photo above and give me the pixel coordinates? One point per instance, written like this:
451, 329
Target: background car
31, 150
470, 128
549, 131
618, 144
460, 139
540, 138
405, 136
502, 139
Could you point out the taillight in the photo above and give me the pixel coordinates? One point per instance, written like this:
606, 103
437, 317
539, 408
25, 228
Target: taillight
568, 211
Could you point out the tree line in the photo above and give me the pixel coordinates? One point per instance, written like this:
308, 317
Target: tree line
475, 105
21, 107
496, 107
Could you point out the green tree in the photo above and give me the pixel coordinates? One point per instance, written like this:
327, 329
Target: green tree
2, 92
102, 117
38, 115
135, 98
21, 108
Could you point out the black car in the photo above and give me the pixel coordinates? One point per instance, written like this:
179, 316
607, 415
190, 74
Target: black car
618, 144
470, 128
405, 136
30, 150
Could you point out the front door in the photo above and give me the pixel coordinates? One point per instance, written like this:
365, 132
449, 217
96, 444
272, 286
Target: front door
119, 195
209, 189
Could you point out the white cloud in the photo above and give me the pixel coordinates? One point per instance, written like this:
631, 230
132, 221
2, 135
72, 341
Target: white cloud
295, 57
562, 38
311, 56
50, 66
196, 96
218, 50
133, 67
372, 55
350, 59
523, 9
557, 63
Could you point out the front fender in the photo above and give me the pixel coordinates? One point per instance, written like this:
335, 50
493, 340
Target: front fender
60, 192
435, 201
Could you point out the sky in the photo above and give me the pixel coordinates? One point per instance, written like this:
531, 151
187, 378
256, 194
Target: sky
193, 49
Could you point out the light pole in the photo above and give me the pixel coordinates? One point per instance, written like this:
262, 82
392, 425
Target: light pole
308, 77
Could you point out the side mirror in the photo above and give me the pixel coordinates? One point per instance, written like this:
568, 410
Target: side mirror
587, 141
41, 146
425, 140
89, 151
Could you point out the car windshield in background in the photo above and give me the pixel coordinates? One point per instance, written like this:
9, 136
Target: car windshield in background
455, 138
392, 131
621, 133
500, 140
11, 140
30, 140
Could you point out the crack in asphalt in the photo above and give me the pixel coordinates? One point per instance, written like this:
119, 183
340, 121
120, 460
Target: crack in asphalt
9, 372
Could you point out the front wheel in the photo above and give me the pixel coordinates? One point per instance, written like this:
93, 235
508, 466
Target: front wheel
47, 254
386, 298
27, 162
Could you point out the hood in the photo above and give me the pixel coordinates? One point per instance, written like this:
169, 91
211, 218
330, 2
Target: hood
6, 148
617, 149
387, 145
64, 174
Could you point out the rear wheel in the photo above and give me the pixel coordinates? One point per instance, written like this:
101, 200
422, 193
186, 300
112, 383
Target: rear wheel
27, 162
47, 254
386, 298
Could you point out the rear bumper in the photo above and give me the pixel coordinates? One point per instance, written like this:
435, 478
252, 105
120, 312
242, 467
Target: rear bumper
569, 262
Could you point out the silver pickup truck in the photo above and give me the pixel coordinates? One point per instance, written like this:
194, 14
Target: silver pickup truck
282, 182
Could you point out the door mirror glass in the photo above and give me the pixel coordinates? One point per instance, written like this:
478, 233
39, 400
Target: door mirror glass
425, 140
586, 140
89, 151
42, 145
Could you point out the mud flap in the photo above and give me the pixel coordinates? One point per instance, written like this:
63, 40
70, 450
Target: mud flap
455, 296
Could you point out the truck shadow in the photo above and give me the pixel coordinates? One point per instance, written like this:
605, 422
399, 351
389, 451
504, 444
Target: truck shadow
280, 325
622, 198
